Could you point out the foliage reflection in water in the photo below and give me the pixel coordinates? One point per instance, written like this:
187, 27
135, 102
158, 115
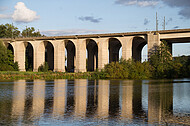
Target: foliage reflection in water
94, 102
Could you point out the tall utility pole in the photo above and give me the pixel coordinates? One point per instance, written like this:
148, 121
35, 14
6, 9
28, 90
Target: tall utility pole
156, 21
164, 25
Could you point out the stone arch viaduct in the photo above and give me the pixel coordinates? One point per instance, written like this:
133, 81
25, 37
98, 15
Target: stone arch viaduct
99, 48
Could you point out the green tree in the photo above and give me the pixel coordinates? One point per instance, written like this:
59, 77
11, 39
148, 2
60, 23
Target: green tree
161, 61
30, 32
7, 59
3, 53
9, 31
185, 62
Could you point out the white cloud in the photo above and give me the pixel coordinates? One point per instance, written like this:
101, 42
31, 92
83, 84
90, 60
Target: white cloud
23, 14
141, 3
147, 3
182, 5
4, 16
70, 32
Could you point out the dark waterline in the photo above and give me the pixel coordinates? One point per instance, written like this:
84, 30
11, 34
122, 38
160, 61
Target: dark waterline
95, 102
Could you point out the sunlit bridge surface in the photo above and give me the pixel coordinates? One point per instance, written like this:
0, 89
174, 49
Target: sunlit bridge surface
95, 102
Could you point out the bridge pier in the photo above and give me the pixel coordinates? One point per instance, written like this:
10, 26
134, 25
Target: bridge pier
80, 56
39, 55
102, 52
153, 41
19, 54
127, 43
59, 56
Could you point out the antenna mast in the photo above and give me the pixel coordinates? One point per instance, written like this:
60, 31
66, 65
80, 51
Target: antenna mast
164, 25
156, 21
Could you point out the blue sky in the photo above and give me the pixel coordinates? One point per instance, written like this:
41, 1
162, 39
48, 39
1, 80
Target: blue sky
63, 17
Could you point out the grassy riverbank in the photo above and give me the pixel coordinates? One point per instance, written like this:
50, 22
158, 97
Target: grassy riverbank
14, 75
17, 75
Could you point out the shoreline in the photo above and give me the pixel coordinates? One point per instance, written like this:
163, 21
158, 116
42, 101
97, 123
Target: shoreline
17, 75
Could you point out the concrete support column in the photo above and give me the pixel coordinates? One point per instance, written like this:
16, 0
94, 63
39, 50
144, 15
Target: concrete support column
102, 52
19, 53
127, 43
153, 41
39, 54
59, 56
80, 56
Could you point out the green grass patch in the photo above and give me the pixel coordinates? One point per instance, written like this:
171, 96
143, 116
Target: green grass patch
15, 75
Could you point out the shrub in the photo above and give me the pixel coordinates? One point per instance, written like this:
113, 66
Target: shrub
15, 66
43, 68
6, 67
115, 70
129, 69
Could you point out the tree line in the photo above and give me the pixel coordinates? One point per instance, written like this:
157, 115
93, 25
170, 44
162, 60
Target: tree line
10, 31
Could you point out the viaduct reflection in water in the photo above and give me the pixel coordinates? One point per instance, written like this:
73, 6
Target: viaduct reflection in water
160, 103
94, 99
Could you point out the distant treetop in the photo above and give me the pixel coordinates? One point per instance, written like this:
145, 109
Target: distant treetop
10, 31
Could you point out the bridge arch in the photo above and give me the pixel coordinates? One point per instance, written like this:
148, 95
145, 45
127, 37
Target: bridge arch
92, 55
49, 54
114, 47
29, 56
46, 54
71, 53
10, 47
137, 45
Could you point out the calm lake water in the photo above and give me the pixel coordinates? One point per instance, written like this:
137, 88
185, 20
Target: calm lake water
97, 102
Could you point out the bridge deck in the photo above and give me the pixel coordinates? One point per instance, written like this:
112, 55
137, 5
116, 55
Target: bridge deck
97, 35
